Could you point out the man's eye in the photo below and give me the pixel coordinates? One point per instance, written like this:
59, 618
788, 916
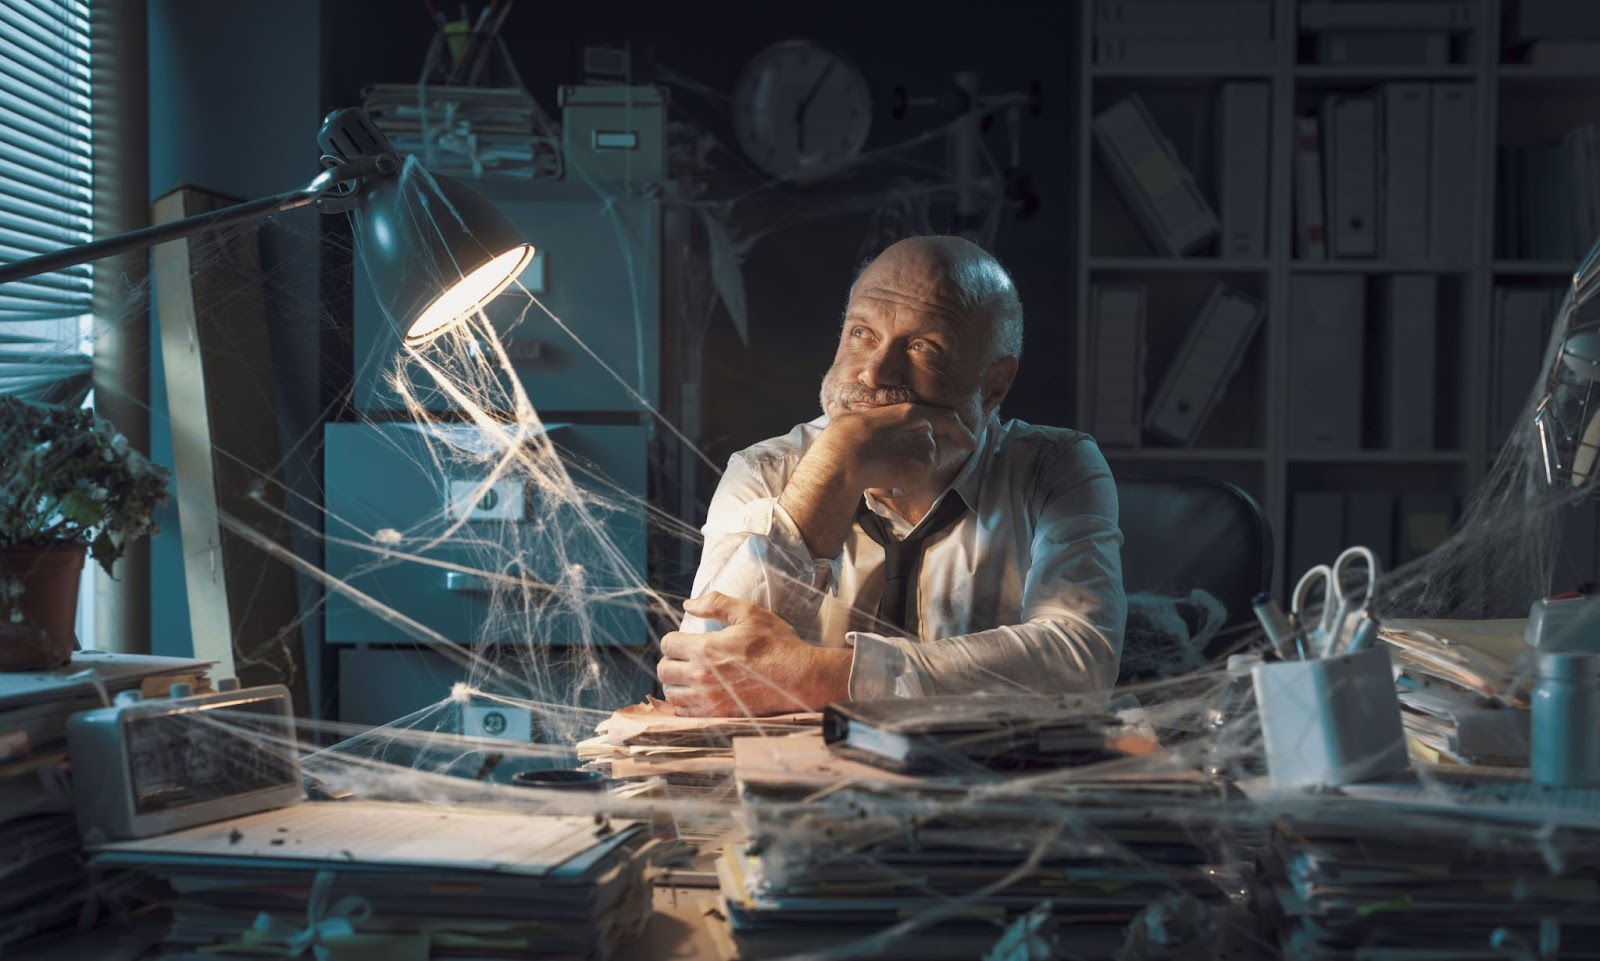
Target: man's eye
858, 332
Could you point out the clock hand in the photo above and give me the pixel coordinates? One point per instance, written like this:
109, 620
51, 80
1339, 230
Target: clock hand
800, 109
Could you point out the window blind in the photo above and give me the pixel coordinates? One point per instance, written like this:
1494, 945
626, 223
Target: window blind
46, 196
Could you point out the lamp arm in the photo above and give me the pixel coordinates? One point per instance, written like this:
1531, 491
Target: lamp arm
354, 172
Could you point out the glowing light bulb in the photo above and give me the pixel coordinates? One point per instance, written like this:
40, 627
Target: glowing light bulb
470, 295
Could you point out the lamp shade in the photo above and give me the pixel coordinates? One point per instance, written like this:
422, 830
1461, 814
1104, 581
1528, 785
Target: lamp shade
435, 251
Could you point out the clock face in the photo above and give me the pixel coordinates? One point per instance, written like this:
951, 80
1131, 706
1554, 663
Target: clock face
800, 111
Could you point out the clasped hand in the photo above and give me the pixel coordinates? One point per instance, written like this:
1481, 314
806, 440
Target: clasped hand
755, 665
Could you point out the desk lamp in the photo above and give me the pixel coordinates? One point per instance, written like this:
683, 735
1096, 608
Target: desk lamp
428, 280
1564, 632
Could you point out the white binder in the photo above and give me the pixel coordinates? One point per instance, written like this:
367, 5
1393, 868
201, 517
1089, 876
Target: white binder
1328, 315
1410, 316
1243, 112
1204, 364
1350, 161
1451, 237
1406, 109
1145, 167
1117, 345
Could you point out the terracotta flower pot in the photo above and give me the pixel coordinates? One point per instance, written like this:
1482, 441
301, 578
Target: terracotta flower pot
46, 636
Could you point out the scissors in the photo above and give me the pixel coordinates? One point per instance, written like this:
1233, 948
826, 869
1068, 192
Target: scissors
1339, 603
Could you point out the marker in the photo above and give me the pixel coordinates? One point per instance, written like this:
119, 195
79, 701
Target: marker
1280, 633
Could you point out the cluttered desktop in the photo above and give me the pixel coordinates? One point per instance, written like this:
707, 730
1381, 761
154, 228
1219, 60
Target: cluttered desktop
898, 683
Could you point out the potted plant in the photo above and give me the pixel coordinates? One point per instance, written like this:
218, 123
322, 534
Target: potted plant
69, 485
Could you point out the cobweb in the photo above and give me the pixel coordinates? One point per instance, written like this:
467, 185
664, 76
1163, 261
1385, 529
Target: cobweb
567, 601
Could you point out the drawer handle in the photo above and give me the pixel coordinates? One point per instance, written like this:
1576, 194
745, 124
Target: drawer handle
460, 582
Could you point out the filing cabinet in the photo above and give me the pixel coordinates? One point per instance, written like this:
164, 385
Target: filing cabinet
597, 268
414, 480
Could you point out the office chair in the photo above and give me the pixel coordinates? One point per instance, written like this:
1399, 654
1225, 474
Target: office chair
1180, 533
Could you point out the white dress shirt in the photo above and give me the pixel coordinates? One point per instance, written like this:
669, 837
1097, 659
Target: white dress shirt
1024, 591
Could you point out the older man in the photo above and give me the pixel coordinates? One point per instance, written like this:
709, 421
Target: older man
909, 541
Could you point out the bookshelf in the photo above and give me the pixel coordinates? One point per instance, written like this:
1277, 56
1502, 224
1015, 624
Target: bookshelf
1247, 437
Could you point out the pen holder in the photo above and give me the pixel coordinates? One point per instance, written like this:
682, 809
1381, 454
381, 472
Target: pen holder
1330, 721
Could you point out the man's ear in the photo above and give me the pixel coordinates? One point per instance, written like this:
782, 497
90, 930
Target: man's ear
997, 382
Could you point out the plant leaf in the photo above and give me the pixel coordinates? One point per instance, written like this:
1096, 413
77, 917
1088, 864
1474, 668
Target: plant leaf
82, 510
104, 550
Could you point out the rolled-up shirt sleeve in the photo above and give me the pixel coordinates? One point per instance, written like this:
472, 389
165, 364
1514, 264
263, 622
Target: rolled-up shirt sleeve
754, 551
1069, 636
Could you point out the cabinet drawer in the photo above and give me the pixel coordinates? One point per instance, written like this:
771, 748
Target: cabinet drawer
597, 268
400, 489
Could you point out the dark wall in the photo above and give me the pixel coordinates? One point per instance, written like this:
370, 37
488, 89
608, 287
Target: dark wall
797, 275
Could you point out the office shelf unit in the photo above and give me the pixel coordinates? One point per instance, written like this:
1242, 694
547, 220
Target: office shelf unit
1247, 437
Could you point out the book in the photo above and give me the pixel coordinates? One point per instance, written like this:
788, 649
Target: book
1145, 168
1244, 113
1210, 354
956, 733
1310, 235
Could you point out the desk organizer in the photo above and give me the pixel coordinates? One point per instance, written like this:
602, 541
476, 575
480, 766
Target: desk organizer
1330, 721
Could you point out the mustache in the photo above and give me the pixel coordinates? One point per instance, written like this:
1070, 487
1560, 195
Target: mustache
851, 394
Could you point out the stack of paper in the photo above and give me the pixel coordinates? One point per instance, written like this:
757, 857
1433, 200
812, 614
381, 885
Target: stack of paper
841, 852
403, 879
467, 131
46, 886
1463, 689
686, 757
1456, 866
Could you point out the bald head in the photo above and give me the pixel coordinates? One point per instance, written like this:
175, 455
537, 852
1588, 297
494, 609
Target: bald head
959, 276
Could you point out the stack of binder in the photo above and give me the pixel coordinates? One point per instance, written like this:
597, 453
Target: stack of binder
841, 852
46, 886
1368, 185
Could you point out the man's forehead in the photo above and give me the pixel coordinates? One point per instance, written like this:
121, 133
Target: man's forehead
917, 282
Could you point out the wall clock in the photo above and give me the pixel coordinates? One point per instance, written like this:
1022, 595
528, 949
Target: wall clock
800, 110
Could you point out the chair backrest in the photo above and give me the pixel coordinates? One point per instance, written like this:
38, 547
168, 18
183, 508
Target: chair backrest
1182, 532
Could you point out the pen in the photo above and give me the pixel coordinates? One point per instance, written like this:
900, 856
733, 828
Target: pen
1360, 638
1280, 633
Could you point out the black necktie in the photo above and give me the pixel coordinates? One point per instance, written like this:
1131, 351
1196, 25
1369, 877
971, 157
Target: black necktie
902, 560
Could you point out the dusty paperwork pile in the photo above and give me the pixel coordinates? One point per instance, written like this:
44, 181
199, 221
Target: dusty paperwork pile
471, 132
406, 880
1460, 865
841, 852
41, 856
647, 748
